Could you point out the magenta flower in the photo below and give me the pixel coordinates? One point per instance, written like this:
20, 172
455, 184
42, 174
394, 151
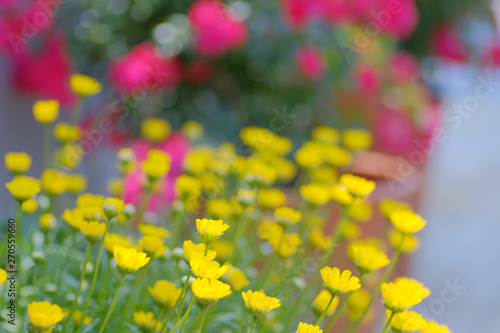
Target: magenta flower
310, 63
144, 68
447, 44
215, 30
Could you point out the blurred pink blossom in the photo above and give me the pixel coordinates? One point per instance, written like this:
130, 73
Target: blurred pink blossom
176, 145
144, 67
491, 56
299, 12
215, 30
447, 44
45, 73
367, 79
403, 66
310, 62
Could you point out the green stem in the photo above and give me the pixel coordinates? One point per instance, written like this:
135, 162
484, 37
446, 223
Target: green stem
84, 271
270, 272
66, 258
253, 325
47, 145
376, 291
184, 294
324, 312
140, 213
176, 303
388, 322
112, 305
240, 230
77, 110
176, 227
205, 311
184, 318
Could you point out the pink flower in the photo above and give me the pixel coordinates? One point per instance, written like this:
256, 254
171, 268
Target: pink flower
491, 56
300, 12
215, 30
341, 11
45, 73
367, 79
403, 66
176, 145
394, 132
144, 67
395, 18
310, 62
447, 44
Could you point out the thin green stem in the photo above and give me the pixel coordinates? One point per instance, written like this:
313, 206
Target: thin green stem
165, 323
66, 258
112, 305
184, 294
47, 145
142, 210
275, 261
320, 319
388, 322
84, 271
252, 328
77, 110
205, 311
184, 318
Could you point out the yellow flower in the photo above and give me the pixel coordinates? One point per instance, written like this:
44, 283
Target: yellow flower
53, 181
17, 163
433, 327
258, 304
223, 249
315, 193
259, 173
407, 321
126, 161
78, 317
322, 300
93, 230
350, 230
357, 303
145, 320
337, 283
407, 221
89, 200
29, 206
65, 132
319, 239
356, 139
402, 294
47, 221
306, 328
388, 206
337, 156
192, 250
219, 208
186, 185
403, 242
23, 188
192, 130
74, 217
153, 246
69, 156
263, 139
310, 155
115, 186
44, 315
112, 207
210, 230
198, 159
3, 276
156, 165
236, 277
155, 129
324, 174
203, 267
152, 230
84, 85
286, 216
46, 112
357, 186
76, 183
128, 260
368, 258
327, 135
165, 293
340, 194
210, 290
361, 212
270, 198
288, 245
110, 240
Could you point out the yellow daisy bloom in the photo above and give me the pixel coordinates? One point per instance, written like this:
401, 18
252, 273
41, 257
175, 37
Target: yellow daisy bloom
155, 129
153, 246
210, 290
46, 112
65, 132
76, 183
286, 216
357, 186
402, 294
54, 181
318, 238
110, 240
388, 206
337, 156
210, 230
322, 300
165, 293
128, 260
192, 250
47, 221
84, 85
307, 328
203, 267
236, 277
258, 304
152, 230
407, 221
29, 206
407, 321
315, 193
219, 208
17, 163
112, 207
246, 197
192, 130
23, 188
434, 327
403, 242
339, 283
367, 258
356, 139
270, 198
44, 316
157, 164
74, 217
327, 135
93, 230
145, 320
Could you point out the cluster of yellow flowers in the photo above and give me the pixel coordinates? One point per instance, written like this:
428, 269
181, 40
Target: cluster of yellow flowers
235, 225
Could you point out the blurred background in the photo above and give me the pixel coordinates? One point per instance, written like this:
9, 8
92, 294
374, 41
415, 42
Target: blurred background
422, 76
